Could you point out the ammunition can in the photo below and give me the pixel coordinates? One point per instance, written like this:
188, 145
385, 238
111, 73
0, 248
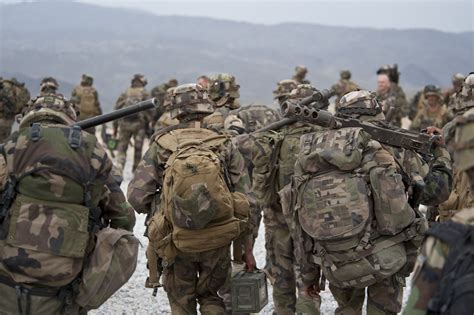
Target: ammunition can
249, 292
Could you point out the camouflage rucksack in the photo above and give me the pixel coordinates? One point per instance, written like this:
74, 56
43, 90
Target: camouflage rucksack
353, 204
87, 106
198, 211
275, 160
255, 117
132, 96
51, 201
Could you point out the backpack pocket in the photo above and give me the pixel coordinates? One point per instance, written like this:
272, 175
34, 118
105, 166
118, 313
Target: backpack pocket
391, 208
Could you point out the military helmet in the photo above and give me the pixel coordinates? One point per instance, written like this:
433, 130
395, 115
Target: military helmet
458, 78
284, 88
50, 106
139, 78
345, 74
223, 90
301, 70
358, 103
49, 83
432, 90
190, 100
234, 124
465, 99
87, 79
302, 91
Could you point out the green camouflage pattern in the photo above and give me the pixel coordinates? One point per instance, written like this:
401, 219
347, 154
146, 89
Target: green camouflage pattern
13, 98
48, 224
300, 75
255, 116
184, 290
395, 99
86, 99
342, 87
427, 118
224, 90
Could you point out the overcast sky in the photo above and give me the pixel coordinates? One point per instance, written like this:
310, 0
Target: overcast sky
445, 15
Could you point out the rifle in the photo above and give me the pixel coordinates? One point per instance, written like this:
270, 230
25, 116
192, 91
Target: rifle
117, 114
383, 133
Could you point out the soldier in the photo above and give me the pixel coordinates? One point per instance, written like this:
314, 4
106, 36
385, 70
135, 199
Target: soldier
13, 98
450, 94
86, 99
375, 247
48, 85
203, 80
434, 112
391, 101
400, 101
273, 160
195, 248
442, 283
300, 75
159, 92
57, 192
344, 86
461, 196
135, 126
283, 90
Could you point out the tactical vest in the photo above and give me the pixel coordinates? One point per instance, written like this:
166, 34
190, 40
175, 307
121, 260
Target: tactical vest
353, 205
88, 104
52, 197
198, 209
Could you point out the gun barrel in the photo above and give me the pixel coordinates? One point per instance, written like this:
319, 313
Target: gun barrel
120, 113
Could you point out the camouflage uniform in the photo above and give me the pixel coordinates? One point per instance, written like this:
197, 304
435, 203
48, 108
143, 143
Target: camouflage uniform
395, 97
300, 75
344, 86
13, 97
189, 278
450, 94
434, 254
165, 119
86, 99
385, 295
461, 195
40, 264
134, 126
274, 156
436, 116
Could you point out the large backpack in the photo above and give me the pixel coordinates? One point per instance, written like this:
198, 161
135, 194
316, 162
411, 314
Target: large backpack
353, 206
52, 220
198, 210
455, 291
88, 103
132, 96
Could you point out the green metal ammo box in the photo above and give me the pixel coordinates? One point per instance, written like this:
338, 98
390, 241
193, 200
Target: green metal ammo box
249, 292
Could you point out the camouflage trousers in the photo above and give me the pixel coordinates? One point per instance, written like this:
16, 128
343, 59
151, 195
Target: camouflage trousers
126, 132
280, 260
5, 128
384, 297
21, 300
196, 278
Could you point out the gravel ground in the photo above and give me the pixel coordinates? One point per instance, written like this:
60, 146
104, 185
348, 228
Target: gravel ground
134, 298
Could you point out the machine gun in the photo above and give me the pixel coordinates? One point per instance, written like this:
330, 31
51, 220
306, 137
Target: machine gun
117, 114
383, 133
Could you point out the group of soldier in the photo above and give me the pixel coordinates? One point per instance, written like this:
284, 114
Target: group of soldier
337, 204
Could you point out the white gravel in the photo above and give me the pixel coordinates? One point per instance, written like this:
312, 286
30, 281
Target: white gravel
134, 298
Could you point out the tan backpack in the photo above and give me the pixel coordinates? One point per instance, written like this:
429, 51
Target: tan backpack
87, 106
198, 211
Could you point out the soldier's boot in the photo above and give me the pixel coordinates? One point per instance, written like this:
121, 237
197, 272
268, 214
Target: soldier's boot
385, 297
307, 305
349, 301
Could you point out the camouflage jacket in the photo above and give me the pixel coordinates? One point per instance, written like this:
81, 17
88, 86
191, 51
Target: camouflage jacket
131, 96
13, 97
426, 119
429, 268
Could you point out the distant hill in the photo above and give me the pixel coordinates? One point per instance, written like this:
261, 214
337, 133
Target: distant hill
66, 39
